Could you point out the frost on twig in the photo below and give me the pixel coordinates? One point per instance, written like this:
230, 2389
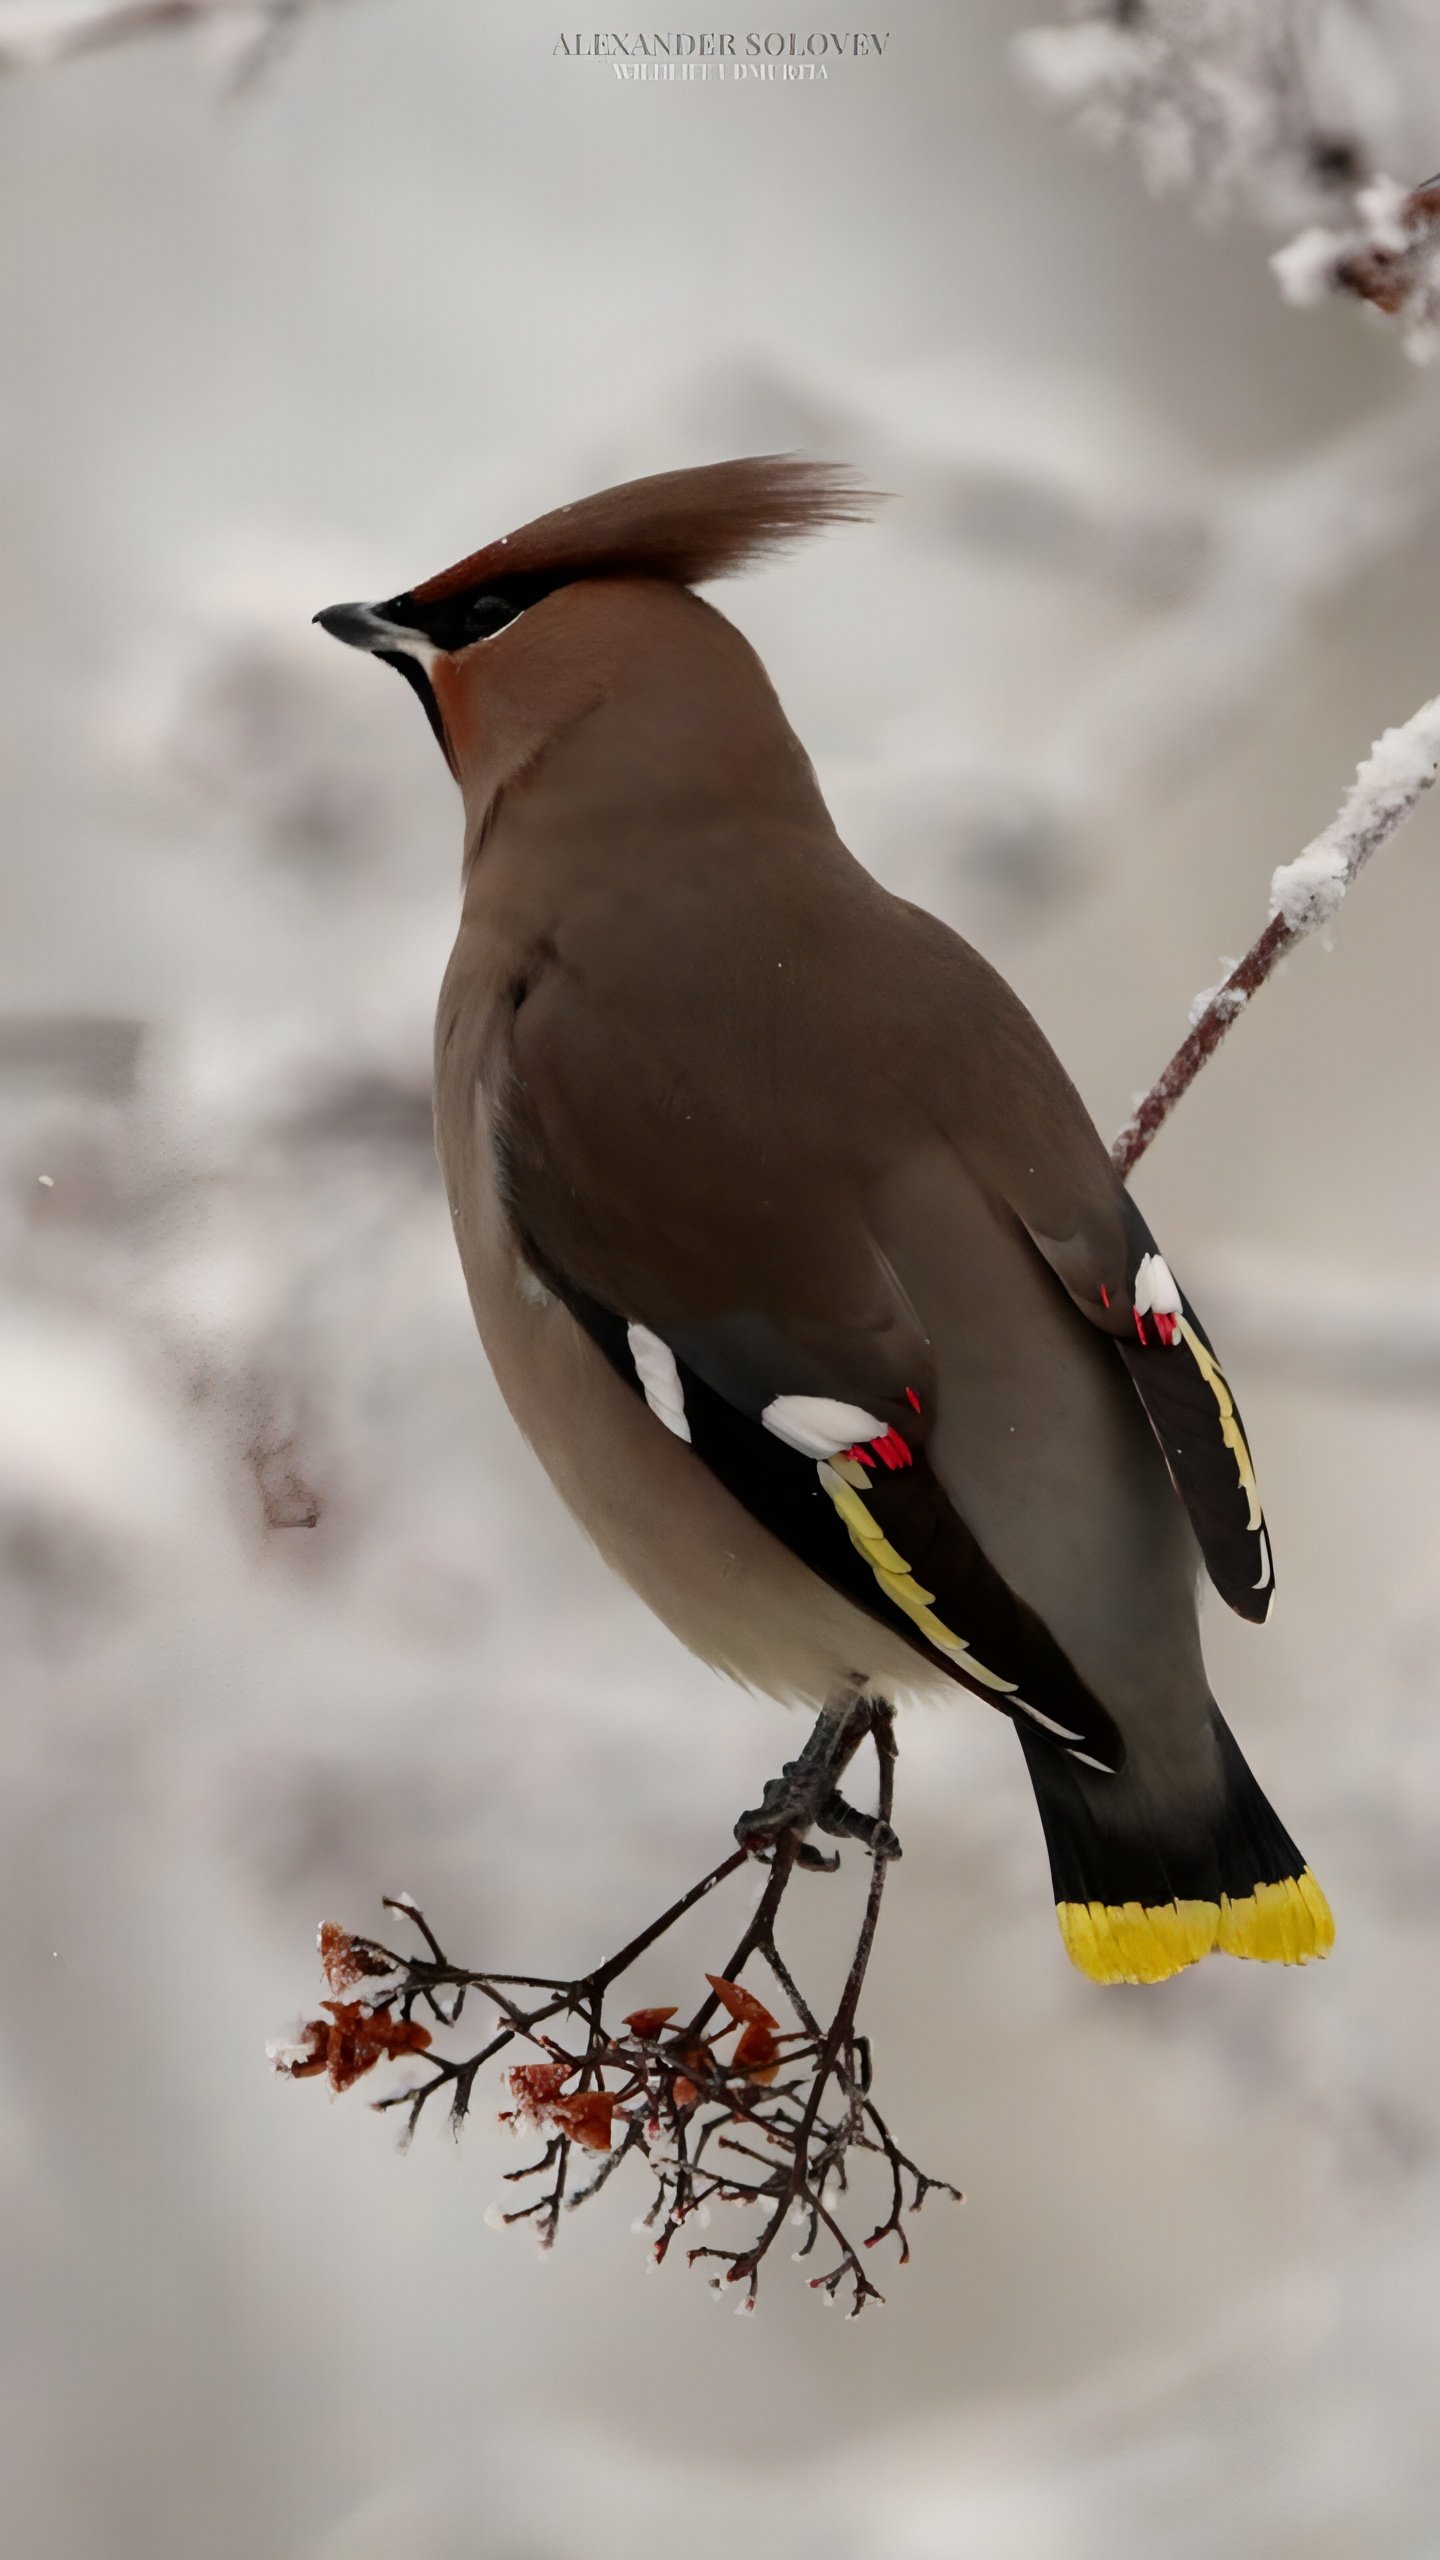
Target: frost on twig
1287, 111
1303, 894
1389, 257
1269, 108
723, 2107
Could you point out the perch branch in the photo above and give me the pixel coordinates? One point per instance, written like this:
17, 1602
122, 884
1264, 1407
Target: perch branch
773, 2125
1303, 894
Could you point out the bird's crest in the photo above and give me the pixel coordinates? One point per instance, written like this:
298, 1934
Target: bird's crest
684, 525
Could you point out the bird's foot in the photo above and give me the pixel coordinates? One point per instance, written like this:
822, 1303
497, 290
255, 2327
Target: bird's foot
844, 1822
806, 1796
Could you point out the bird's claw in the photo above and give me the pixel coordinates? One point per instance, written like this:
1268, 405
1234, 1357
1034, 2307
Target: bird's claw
843, 1822
789, 1804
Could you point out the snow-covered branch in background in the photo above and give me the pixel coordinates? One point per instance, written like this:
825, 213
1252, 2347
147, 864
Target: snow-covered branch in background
1389, 257
1288, 112
1280, 110
32, 37
1305, 893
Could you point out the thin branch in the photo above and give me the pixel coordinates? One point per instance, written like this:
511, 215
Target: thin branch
1305, 893
771, 2126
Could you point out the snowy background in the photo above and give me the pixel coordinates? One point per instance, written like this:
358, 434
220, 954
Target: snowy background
1161, 565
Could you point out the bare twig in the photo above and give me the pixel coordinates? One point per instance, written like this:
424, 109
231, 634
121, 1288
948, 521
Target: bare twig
1303, 894
772, 2125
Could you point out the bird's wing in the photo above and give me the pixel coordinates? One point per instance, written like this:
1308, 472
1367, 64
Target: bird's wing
1187, 1396
1119, 1279
1038, 1150
760, 1323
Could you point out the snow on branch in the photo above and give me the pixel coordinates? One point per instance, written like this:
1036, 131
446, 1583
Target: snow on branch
1288, 112
1389, 257
1303, 894
1277, 109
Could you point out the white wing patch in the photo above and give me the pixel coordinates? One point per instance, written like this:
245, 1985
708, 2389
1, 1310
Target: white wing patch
819, 1426
822, 1427
1156, 1293
655, 1368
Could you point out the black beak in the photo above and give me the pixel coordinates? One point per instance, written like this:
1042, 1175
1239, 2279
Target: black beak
358, 625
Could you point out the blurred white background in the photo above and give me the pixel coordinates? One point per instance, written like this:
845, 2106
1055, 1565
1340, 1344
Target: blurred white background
1161, 564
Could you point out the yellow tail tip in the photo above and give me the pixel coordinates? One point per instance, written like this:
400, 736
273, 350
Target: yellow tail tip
1284, 1923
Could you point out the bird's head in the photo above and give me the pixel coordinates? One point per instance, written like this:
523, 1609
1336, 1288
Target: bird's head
512, 645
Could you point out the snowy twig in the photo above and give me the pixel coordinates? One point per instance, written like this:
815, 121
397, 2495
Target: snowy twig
1303, 894
1232, 103
1389, 257
1289, 111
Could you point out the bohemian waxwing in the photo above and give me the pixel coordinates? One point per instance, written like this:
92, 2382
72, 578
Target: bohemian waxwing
795, 1252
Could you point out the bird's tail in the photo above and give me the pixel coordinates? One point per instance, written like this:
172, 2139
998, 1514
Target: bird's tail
1141, 1893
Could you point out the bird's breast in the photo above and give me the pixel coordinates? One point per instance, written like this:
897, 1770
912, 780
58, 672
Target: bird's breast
729, 1590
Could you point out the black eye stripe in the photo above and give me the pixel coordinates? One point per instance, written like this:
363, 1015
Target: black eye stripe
483, 616
455, 622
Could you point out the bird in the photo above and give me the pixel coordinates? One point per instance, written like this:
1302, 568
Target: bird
794, 1250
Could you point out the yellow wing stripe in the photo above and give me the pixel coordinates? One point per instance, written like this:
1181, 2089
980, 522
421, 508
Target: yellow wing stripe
865, 1531
898, 1582
1230, 1431
1284, 1923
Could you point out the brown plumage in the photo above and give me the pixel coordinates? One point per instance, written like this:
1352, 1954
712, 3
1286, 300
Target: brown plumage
795, 1252
687, 526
